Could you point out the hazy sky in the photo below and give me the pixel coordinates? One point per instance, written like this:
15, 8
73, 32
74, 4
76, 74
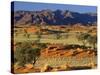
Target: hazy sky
31, 6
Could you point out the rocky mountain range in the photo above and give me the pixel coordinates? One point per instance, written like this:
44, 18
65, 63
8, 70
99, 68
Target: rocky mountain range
49, 17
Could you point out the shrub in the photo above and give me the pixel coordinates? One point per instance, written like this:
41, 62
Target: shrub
26, 54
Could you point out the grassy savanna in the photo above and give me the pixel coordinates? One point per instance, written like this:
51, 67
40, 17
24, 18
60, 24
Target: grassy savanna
61, 48
53, 37
68, 35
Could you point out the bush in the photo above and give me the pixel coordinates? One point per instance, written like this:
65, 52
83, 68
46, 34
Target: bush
26, 54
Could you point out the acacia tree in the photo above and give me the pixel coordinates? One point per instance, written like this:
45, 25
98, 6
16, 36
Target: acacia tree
26, 54
83, 37
38, 33
92, 40
58, 36
26, 34
38, 37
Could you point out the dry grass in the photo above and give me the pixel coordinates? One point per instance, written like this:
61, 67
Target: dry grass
59, 60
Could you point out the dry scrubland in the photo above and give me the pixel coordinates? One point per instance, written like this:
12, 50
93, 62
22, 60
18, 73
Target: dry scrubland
59, 55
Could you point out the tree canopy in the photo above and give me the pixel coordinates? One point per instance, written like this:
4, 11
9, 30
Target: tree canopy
26, 54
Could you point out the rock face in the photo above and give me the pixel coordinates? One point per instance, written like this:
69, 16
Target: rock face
57, 17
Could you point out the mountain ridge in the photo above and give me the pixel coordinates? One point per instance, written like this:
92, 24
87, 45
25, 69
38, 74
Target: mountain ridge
57, 17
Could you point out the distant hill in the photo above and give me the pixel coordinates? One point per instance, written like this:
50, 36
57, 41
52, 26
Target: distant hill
57, 17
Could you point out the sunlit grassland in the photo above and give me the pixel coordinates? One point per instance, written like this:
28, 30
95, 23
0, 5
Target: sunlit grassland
50, 38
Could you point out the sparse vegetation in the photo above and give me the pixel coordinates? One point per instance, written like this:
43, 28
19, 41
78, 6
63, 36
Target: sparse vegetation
83, 37
26, 54
54, 41
93, 40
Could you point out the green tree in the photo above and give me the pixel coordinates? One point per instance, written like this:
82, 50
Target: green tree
26, 34
38, 33
92, 40
83, 37
58, 36
26, 54
38, 36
